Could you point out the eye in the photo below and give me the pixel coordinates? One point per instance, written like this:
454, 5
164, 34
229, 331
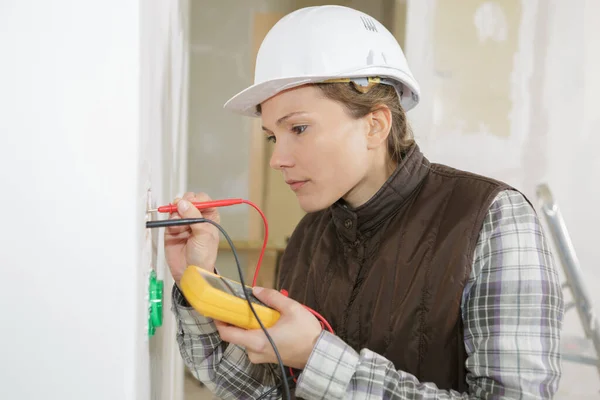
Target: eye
271, 139
298, 129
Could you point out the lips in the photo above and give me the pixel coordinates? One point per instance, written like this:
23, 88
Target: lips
294, 184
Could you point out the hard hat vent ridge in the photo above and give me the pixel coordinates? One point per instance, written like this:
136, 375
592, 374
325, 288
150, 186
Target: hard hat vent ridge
369, 24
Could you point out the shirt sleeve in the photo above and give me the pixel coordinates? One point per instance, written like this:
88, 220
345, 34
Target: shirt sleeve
224, 368
512, 308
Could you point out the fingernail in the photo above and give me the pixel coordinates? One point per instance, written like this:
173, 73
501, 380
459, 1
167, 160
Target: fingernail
183, 205
256, 290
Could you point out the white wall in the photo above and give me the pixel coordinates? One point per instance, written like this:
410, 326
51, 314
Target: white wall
536, 119
164, 91
78, 153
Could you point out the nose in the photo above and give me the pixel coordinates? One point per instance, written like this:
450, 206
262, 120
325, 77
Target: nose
282, 156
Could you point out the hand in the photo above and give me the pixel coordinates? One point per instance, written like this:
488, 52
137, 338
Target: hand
295, 333
195, 244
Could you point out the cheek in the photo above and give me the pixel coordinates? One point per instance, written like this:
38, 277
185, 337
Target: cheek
334, 167
337, 164
349, 152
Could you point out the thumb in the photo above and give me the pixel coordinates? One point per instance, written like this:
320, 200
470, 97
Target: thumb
187, 210
274, 299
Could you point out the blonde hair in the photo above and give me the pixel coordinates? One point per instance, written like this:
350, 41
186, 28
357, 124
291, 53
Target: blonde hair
359, 104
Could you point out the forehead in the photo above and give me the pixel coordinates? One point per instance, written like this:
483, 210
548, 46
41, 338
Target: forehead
299, 96
308, 100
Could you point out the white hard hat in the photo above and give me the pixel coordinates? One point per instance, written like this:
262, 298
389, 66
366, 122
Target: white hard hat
317, 44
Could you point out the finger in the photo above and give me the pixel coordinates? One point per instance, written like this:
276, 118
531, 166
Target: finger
258, 358
203, 197
252, 340
175, 203
189, 196
229, 333
220, 323
275, 299
176, 230
187, 210
210, 213
197, 198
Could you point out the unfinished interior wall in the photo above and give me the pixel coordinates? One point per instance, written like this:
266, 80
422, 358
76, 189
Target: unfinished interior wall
221, 64
509, 90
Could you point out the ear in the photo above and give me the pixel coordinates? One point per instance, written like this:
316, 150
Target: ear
380, 125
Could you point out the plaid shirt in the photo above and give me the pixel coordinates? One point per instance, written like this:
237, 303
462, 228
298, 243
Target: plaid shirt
512, 309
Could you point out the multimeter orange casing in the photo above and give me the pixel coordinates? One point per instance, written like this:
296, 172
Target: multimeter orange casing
216, 303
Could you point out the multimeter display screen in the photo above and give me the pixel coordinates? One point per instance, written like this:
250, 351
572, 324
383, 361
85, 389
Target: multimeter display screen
231, 287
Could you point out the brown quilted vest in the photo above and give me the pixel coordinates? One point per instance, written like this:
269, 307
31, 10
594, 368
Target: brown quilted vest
389, 275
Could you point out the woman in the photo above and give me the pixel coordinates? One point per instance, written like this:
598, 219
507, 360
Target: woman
438, 283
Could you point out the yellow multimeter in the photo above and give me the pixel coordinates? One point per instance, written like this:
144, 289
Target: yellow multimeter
223, 299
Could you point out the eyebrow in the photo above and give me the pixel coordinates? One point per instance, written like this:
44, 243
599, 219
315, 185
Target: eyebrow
285, 117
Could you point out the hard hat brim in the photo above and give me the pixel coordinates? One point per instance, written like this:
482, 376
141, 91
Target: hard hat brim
245, 102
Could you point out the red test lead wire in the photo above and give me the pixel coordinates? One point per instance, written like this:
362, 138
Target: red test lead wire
202, 205
264, 246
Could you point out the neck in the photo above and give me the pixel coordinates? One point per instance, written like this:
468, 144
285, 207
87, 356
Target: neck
376, 176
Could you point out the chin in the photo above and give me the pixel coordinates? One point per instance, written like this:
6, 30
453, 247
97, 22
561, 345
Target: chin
310, 204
